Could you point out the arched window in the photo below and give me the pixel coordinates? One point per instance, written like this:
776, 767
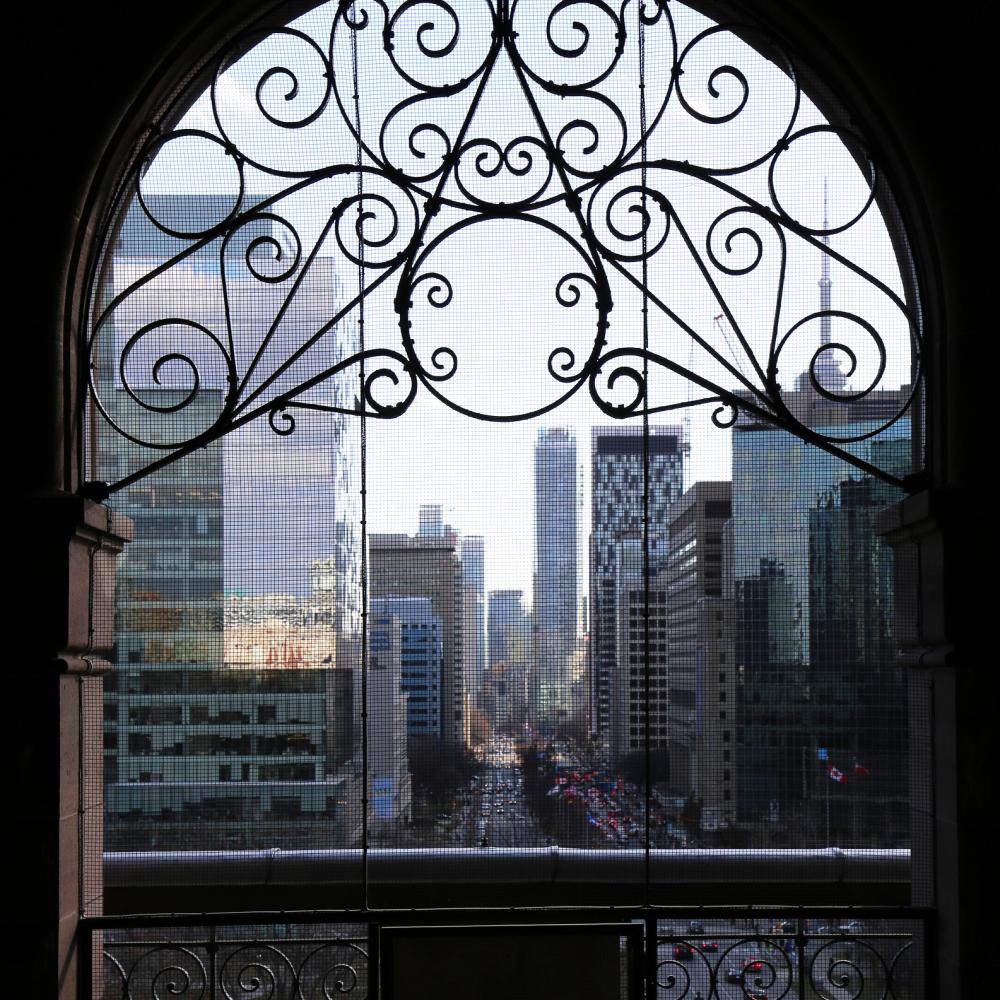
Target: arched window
503, 396
665, 161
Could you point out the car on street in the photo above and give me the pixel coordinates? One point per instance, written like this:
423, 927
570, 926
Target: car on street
683, 951
750, 992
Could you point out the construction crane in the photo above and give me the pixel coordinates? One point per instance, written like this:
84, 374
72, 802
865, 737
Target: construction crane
725, 335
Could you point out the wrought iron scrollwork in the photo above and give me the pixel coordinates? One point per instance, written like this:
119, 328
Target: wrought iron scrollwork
794, 959
846, 966
598, 171
837, 965
308, 968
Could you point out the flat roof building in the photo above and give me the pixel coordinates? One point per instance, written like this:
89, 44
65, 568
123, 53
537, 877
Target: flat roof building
619, 479
429, 567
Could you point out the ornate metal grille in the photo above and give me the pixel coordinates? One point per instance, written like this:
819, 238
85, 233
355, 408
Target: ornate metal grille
649, 161
715, 955
200, 962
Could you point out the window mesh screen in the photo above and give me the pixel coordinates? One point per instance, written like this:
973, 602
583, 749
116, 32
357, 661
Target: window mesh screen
280, 960
757, 955
503, 401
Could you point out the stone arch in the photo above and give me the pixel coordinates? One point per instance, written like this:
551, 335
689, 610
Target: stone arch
861, 52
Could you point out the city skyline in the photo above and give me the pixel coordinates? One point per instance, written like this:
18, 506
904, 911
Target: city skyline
792, 505
453, 514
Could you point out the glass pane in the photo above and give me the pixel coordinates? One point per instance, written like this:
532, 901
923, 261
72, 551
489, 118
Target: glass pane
230, 720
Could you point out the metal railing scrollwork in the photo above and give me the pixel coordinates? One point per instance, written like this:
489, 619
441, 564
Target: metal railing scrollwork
715, 954
149, 966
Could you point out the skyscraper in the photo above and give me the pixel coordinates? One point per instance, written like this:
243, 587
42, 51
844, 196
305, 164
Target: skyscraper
700, 657
510, 656
802, 534
859, 693
555, 589
639, 711
196, 670
292, 503
169, 641
473, 571
619, 478
783, 526
230, 717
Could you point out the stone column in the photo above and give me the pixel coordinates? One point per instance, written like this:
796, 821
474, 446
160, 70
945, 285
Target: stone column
943, 582
66, 626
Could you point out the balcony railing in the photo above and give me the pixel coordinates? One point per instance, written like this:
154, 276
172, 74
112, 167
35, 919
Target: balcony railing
667, 954
206, 881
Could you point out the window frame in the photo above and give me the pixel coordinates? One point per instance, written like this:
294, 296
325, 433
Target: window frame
279, 13
941, 258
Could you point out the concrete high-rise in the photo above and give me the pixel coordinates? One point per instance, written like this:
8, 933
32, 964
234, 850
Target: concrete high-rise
421, 659
555, 583
620, 475
389, 787
638, 692
474, 574
700, 670
510, 658
404, 566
